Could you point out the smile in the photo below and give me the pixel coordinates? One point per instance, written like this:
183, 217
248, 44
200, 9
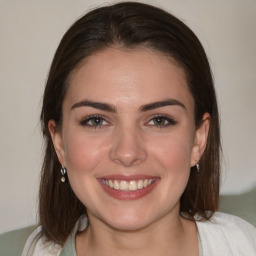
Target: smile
131, 185
128, 187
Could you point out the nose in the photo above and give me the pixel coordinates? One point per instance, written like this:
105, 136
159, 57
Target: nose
128, 148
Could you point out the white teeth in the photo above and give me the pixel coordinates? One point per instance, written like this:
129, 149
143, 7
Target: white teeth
140, 184
110, 183
124, 185
132, 185
116, 184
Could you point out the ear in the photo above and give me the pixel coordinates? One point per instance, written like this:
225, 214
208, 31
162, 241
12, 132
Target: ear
57, 141
200, 139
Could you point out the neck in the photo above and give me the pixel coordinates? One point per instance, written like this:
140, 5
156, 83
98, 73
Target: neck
171, 235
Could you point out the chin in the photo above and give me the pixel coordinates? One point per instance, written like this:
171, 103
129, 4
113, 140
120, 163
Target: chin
129, 220
128, 225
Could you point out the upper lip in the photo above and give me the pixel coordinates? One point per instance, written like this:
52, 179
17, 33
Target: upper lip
128, 177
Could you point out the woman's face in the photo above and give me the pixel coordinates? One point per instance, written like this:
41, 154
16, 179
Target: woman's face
128, 138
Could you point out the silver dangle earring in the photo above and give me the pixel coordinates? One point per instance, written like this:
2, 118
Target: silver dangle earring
197, 168
63, 172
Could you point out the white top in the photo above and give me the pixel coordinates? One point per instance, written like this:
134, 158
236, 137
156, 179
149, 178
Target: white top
223, 235
226, 235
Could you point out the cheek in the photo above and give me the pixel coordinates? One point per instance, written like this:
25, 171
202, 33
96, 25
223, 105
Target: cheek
174, 158
174, 154
84, 157
83, 153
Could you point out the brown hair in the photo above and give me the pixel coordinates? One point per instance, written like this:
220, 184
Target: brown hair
130, 25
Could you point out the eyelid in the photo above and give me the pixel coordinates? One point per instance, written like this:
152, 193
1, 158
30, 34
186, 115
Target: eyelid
170, 120
85, 120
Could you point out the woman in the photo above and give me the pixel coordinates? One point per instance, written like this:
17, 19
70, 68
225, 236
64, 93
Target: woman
131, 125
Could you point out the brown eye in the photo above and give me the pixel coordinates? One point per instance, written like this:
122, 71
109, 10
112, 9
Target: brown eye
161, 121
94, 121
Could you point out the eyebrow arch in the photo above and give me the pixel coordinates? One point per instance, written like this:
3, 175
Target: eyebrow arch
98, 105
110, 108
159, 104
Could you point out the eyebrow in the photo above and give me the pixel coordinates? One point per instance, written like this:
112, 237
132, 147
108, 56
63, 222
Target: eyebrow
111, 108
159, 104
98, 105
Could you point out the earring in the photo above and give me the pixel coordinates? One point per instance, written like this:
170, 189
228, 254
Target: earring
63, 172
197, 168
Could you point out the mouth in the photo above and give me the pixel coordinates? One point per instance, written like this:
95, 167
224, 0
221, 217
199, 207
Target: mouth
128, 188
131, 185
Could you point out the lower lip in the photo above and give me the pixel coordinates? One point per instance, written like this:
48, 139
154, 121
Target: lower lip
129, 195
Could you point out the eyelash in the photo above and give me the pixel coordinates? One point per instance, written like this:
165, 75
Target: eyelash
167, 121
85, 122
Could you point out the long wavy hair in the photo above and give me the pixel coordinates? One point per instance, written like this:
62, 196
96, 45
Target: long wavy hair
129, 25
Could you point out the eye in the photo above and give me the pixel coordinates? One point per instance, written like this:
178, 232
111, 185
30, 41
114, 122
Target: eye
161, 121
94, 121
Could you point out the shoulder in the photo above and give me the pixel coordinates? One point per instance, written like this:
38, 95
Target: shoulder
227, 222
228, 232
13, 242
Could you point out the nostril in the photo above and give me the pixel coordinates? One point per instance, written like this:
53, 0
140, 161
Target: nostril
128, 149
127, 160
128, 156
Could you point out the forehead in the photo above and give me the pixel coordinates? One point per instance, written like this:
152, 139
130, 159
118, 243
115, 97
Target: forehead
128, 75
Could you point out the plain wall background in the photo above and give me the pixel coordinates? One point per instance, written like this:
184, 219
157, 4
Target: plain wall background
29, 34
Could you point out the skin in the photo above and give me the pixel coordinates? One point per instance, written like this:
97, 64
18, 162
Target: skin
129, 141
